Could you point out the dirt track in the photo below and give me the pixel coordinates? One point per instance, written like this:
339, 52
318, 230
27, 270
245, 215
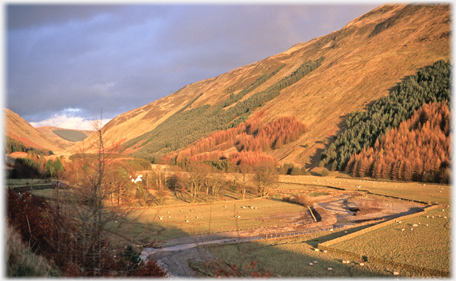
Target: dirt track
334, 212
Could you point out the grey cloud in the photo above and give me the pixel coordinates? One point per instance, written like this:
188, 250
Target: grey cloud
62, 56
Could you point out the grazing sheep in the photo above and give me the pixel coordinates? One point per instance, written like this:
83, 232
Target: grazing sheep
315, 262
329, 269
311, 264
316, 250
396, 272
361, 264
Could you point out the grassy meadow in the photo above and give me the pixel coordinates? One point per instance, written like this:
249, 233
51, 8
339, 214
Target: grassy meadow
291, 257
208, 218
420, 241
424, 192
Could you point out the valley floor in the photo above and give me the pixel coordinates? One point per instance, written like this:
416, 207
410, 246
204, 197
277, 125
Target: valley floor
334, 213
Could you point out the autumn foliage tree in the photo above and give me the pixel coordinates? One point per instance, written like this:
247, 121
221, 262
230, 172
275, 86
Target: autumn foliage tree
251, 139
419, 149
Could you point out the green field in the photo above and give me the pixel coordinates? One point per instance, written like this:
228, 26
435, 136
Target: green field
22, 183
290, 257
70, 135
427, 245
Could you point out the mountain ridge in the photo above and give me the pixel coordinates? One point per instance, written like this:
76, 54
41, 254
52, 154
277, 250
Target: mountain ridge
364, 60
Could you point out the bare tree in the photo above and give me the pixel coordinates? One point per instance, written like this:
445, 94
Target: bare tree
242, 180
85, 206
265, 177
197, 177
216, 182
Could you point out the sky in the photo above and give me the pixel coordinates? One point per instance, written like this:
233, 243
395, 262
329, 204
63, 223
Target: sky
66, 65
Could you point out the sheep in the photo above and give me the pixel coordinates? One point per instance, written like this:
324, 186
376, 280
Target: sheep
329, 269
311, 264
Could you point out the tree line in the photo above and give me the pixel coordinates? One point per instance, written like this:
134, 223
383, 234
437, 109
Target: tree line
430, 84
185, 127
250, 138
418, 150
13, 145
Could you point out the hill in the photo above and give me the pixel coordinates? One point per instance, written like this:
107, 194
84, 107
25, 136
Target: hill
64, 137
362, 63
22, 134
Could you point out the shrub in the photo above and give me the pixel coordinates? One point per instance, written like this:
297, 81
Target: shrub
150, 269
324, 172
22, 262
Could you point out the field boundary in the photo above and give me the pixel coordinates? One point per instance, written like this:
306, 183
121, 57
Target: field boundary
327, 246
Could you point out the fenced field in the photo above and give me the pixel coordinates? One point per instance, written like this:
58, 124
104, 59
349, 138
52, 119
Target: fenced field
291, 257
420, 241
168, 222
416, 191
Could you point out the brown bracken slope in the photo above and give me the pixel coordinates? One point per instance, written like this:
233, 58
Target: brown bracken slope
363, 62
19, 129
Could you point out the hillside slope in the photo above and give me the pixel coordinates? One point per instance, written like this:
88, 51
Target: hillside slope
20, 130
363, 61
53, 134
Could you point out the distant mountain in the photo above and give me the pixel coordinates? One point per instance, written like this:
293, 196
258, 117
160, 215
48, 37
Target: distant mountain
64, 137
20, 131
362, 62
